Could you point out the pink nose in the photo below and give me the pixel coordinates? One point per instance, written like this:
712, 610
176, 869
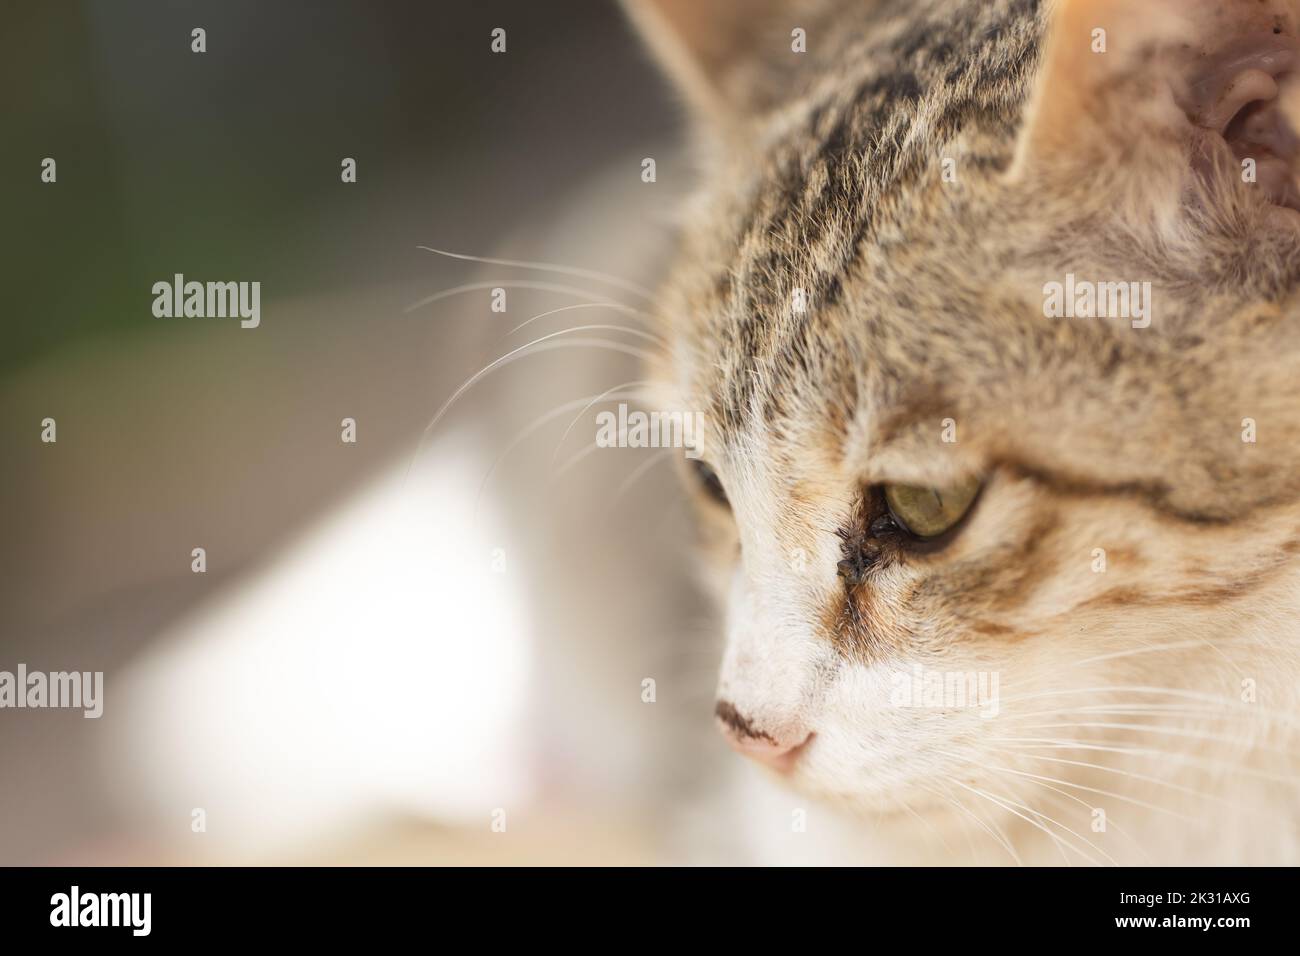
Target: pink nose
778, 751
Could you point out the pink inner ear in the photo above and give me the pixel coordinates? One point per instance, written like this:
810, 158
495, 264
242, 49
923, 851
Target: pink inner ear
1235, 93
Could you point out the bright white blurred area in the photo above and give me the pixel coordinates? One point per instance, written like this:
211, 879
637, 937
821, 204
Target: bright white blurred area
377, 668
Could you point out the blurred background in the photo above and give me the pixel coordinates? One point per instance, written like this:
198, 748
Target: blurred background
427, 646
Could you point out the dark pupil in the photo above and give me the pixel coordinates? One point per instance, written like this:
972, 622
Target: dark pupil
709, 481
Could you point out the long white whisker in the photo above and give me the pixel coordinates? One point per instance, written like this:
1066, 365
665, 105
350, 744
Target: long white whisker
499, 284
585, 305
576, 272
574, 460
1070, 796
1143, 710
531, 348
1128, 773
1079, 786
1186, 733
995, 834
516, 353
1168, 691
1110, 823
927, 824
523, 434
578, 417
1073, 833
1058, 843
1034, 823
1002, 834
1057, 743
1135, 651
639, 472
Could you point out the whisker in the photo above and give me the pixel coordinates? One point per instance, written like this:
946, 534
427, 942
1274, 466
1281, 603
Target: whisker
966, 835
607, 327
573, 461
518, 353
577, 418
995, 833
1034, 823
967, 761
531, 348
537, 423
1110, 822
1055, 743
1225, 657
576, 272
1184, 732
925, 823
1127, 773
662, 455
1079, 786
1073, 833
556, 288
1144, 710
1135, 651
1172, 692
588, 305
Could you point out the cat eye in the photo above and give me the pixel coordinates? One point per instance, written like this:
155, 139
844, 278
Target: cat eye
927, 513
708, 480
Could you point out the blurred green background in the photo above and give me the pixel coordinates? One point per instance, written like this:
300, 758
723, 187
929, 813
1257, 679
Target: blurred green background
227, 163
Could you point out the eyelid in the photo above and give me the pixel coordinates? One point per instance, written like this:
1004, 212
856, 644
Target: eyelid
709, 482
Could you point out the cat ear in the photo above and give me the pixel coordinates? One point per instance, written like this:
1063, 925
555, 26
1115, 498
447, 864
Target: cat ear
711, 48
1141, 94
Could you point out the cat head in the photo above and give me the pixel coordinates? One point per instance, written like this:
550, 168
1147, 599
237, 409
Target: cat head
988, 308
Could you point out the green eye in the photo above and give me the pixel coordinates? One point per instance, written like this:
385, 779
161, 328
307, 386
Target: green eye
929, 512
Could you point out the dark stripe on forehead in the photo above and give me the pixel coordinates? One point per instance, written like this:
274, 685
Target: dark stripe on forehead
831, 175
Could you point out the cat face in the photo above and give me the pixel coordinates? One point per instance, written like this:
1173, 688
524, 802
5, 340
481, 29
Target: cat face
988, 327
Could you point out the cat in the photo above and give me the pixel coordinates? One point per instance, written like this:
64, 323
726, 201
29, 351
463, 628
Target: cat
1001, 584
